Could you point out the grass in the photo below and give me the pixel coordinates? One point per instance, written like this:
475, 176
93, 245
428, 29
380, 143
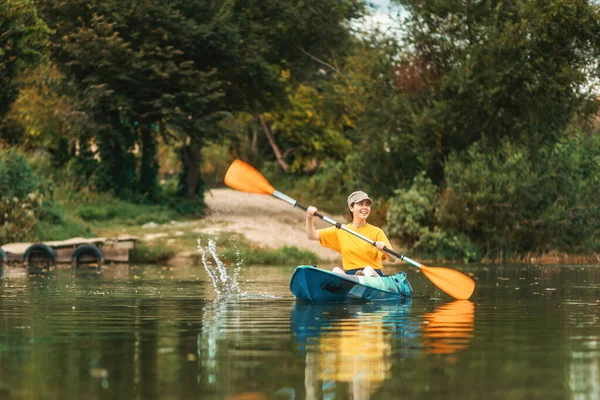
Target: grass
234, 248
48, 231
144, 253
284, 256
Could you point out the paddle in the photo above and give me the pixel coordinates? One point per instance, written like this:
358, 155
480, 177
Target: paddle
243, 177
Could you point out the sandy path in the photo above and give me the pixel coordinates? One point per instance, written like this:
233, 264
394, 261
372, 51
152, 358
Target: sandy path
264, 220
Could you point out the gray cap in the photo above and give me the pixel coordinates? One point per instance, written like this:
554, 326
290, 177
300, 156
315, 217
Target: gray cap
357, 197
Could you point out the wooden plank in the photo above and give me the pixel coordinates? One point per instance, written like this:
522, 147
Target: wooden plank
114, 249
114, 254
64, 254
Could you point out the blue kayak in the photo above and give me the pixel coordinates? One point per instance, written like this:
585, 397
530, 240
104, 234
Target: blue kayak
319, 286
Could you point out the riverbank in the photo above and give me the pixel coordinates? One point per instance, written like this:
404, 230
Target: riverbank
259, 227
256, 226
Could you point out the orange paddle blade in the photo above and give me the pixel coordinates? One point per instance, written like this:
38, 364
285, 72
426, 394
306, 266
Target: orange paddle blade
454, 283
242, 176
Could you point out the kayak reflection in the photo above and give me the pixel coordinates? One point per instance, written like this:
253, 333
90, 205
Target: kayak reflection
449, 328
348, 347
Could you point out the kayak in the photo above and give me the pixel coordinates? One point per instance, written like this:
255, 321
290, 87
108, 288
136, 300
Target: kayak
319, 286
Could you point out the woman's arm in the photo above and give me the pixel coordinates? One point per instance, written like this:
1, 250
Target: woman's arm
311, 232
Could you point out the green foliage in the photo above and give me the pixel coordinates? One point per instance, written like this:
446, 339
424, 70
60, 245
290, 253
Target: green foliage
511, 201
330, 187
386, 156
215, 161
18, 217
305, 127
490, 70
16, 176
448, 245
139, 66
493, 196
52, 213
21, 43
185, 206
412, 216
21, 198
261, 48
411, 211
91, 213
571, 183
50, 115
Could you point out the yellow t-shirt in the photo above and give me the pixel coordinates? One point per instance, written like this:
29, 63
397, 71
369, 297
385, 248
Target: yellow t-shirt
356, 253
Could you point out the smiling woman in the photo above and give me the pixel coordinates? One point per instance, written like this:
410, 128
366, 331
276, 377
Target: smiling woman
358, 256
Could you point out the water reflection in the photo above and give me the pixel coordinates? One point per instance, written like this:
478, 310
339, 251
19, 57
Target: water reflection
350, 349
449, 328
344, 345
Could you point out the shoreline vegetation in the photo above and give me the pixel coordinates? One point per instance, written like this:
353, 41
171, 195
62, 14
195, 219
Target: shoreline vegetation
166, 238
169, 237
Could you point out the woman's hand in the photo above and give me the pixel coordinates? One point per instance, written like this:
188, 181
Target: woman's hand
380, 245
311, 232
310, 211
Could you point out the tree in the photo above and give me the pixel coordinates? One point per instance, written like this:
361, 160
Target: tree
22, 36
183, 63
49, 114
514, 69
274, 39
136, 62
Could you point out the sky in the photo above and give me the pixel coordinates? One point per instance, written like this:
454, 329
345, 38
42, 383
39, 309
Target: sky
380, 15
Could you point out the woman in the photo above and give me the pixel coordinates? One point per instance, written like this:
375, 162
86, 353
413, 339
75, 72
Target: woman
357, 254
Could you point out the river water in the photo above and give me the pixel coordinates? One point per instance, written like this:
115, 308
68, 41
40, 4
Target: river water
235, 332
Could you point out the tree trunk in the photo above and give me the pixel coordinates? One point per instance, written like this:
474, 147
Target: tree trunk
190, 183
254, 145
149, 166
271, 140
116, 168
437, 170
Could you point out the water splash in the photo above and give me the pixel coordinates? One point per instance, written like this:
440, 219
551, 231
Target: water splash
224, 279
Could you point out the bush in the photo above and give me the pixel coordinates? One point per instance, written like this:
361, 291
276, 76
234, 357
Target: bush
21, 198
52, 213
512, 201
491, 196
411, 211
447, 245
16, 176
412, 218
331, 186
